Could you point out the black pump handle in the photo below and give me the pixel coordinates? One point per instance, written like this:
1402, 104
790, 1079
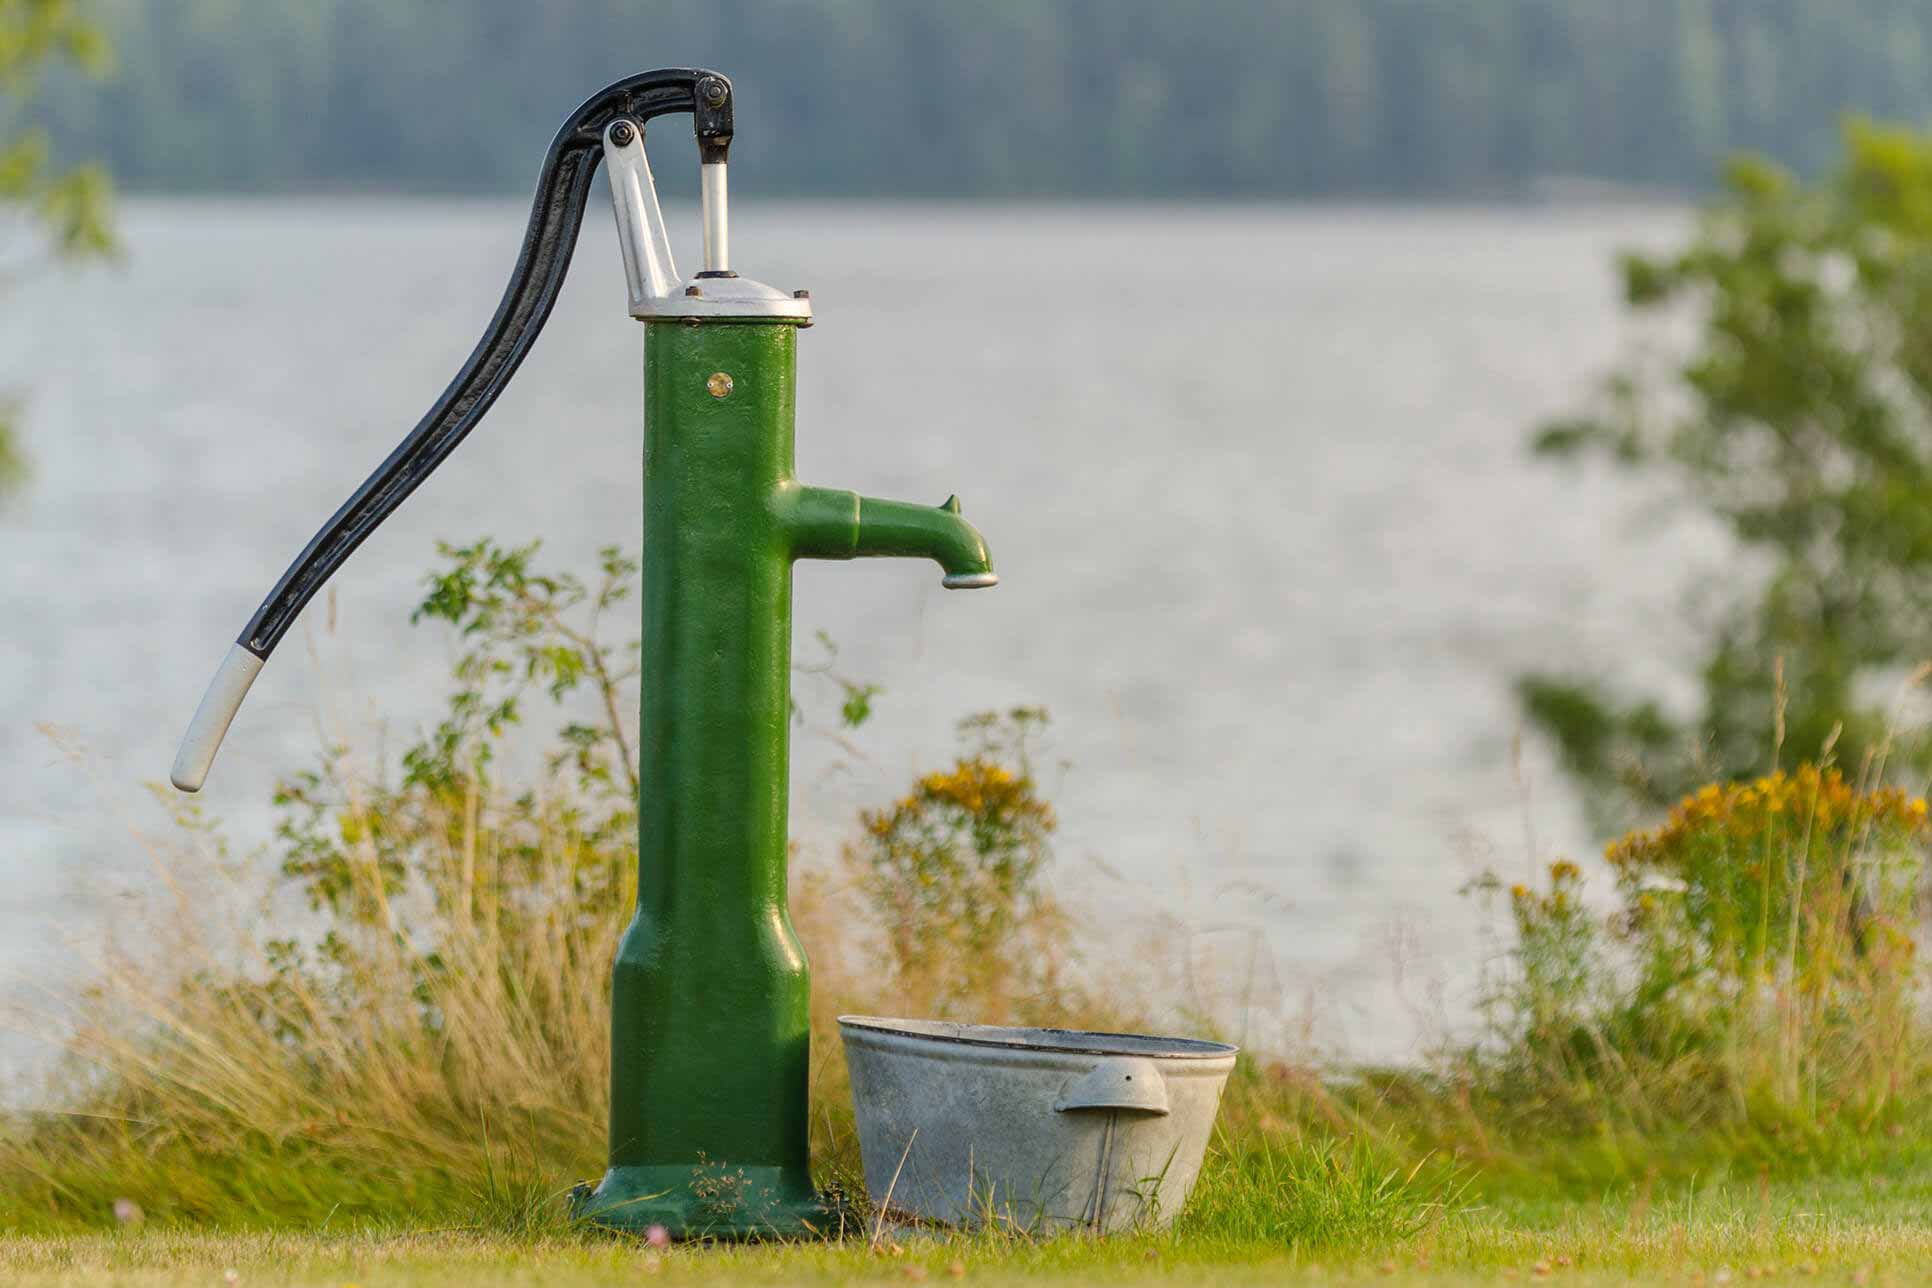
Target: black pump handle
563, 186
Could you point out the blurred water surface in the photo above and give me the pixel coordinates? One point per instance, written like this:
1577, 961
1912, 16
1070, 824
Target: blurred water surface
1254, 480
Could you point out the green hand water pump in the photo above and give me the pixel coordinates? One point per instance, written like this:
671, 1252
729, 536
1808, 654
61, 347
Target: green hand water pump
709, 991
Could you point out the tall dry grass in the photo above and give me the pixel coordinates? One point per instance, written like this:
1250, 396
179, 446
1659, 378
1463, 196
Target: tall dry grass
436, 1042
212, 1073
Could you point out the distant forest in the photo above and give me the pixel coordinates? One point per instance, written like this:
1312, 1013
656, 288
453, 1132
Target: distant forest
1003, 98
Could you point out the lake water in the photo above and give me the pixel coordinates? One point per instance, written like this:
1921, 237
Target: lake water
1254, 480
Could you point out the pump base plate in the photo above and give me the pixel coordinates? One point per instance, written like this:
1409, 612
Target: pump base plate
707, 1201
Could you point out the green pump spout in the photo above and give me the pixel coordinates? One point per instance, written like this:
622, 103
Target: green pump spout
830, 524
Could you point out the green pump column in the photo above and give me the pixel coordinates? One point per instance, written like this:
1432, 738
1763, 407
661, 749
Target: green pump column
710, 1060
710, 992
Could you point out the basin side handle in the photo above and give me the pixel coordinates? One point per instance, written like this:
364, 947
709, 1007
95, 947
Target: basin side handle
1116, 1082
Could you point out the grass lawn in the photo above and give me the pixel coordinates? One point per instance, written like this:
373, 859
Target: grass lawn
1864, 1231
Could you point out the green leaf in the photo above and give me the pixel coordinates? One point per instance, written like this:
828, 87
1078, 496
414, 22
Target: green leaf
857, 707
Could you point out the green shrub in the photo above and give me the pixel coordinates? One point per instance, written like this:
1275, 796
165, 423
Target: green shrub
1785, 398
1759, 963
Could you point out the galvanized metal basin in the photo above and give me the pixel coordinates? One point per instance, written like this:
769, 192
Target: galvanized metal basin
1045, 1129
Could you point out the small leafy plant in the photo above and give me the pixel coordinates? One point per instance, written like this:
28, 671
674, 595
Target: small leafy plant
953, 870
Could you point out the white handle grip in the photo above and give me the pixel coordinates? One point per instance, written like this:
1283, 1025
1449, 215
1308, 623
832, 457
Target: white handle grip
218, 706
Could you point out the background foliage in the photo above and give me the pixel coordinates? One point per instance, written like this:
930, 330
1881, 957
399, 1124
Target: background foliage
67, 207
1009, 97
1799, 418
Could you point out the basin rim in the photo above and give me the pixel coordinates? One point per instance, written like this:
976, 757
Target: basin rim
1060, 1041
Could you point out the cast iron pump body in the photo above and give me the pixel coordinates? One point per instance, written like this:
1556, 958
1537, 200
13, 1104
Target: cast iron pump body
709, 1059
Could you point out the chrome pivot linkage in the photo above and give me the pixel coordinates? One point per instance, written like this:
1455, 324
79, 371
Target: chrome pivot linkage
650, 272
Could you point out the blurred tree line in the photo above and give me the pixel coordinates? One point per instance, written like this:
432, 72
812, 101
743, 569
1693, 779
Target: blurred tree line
1007, 97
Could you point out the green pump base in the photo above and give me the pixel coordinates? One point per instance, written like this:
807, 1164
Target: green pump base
709, 1201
